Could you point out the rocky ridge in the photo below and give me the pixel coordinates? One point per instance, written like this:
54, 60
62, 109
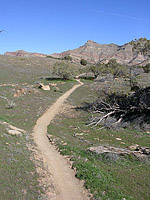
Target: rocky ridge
94, 52
21, 53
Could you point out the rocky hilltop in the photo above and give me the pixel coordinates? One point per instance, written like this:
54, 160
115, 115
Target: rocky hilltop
94, 52
22, 53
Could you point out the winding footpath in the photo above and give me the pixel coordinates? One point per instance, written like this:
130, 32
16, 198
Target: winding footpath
67, 187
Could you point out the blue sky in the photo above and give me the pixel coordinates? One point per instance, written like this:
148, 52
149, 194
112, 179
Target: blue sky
49, 26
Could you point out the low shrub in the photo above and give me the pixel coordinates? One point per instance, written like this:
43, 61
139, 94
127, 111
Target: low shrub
63, 70
146, 68
67, 58
83, 62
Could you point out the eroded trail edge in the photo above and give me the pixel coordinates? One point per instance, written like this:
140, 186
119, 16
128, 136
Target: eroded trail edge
67, 187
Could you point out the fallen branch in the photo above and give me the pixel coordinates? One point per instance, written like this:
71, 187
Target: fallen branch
117, 108
104, 117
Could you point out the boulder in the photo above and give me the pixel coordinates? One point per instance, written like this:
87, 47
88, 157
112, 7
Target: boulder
43, 87
14, 132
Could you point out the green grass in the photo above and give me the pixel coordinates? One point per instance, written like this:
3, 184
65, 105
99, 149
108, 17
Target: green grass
30, 106
4, 119
125, 178
19, 179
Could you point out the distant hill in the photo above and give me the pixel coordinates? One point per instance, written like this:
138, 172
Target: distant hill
94, 52
22, 53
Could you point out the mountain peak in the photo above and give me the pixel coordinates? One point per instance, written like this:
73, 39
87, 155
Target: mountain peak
90, 42
94, 52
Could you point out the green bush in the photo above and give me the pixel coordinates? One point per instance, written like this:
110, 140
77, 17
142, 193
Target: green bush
112, 63
83, 62
63, 70
120, 71
116, 69
112, 67
142, 46
68, 58
146, 68
95, 69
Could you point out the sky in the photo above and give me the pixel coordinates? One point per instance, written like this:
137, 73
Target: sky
49, 26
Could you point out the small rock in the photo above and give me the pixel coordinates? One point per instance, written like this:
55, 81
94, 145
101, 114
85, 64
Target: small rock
119, 139
43, 87
134, 147
78, 134
14, 132
122, 142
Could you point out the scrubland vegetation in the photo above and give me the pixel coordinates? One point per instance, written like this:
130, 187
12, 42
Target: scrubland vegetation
111, 109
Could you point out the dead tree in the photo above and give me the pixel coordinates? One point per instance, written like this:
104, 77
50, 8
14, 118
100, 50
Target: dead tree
122, 108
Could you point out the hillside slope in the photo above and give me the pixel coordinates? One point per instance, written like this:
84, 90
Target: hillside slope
94, 52
22, 53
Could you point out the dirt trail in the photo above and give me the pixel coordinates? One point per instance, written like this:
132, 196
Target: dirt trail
67, 187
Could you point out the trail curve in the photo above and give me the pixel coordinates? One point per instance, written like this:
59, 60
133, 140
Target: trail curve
67, 187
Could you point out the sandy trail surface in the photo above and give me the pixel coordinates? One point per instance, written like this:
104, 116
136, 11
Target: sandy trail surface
66, 186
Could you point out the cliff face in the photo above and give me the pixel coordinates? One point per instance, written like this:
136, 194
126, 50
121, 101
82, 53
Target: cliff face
22, 53
94, 52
